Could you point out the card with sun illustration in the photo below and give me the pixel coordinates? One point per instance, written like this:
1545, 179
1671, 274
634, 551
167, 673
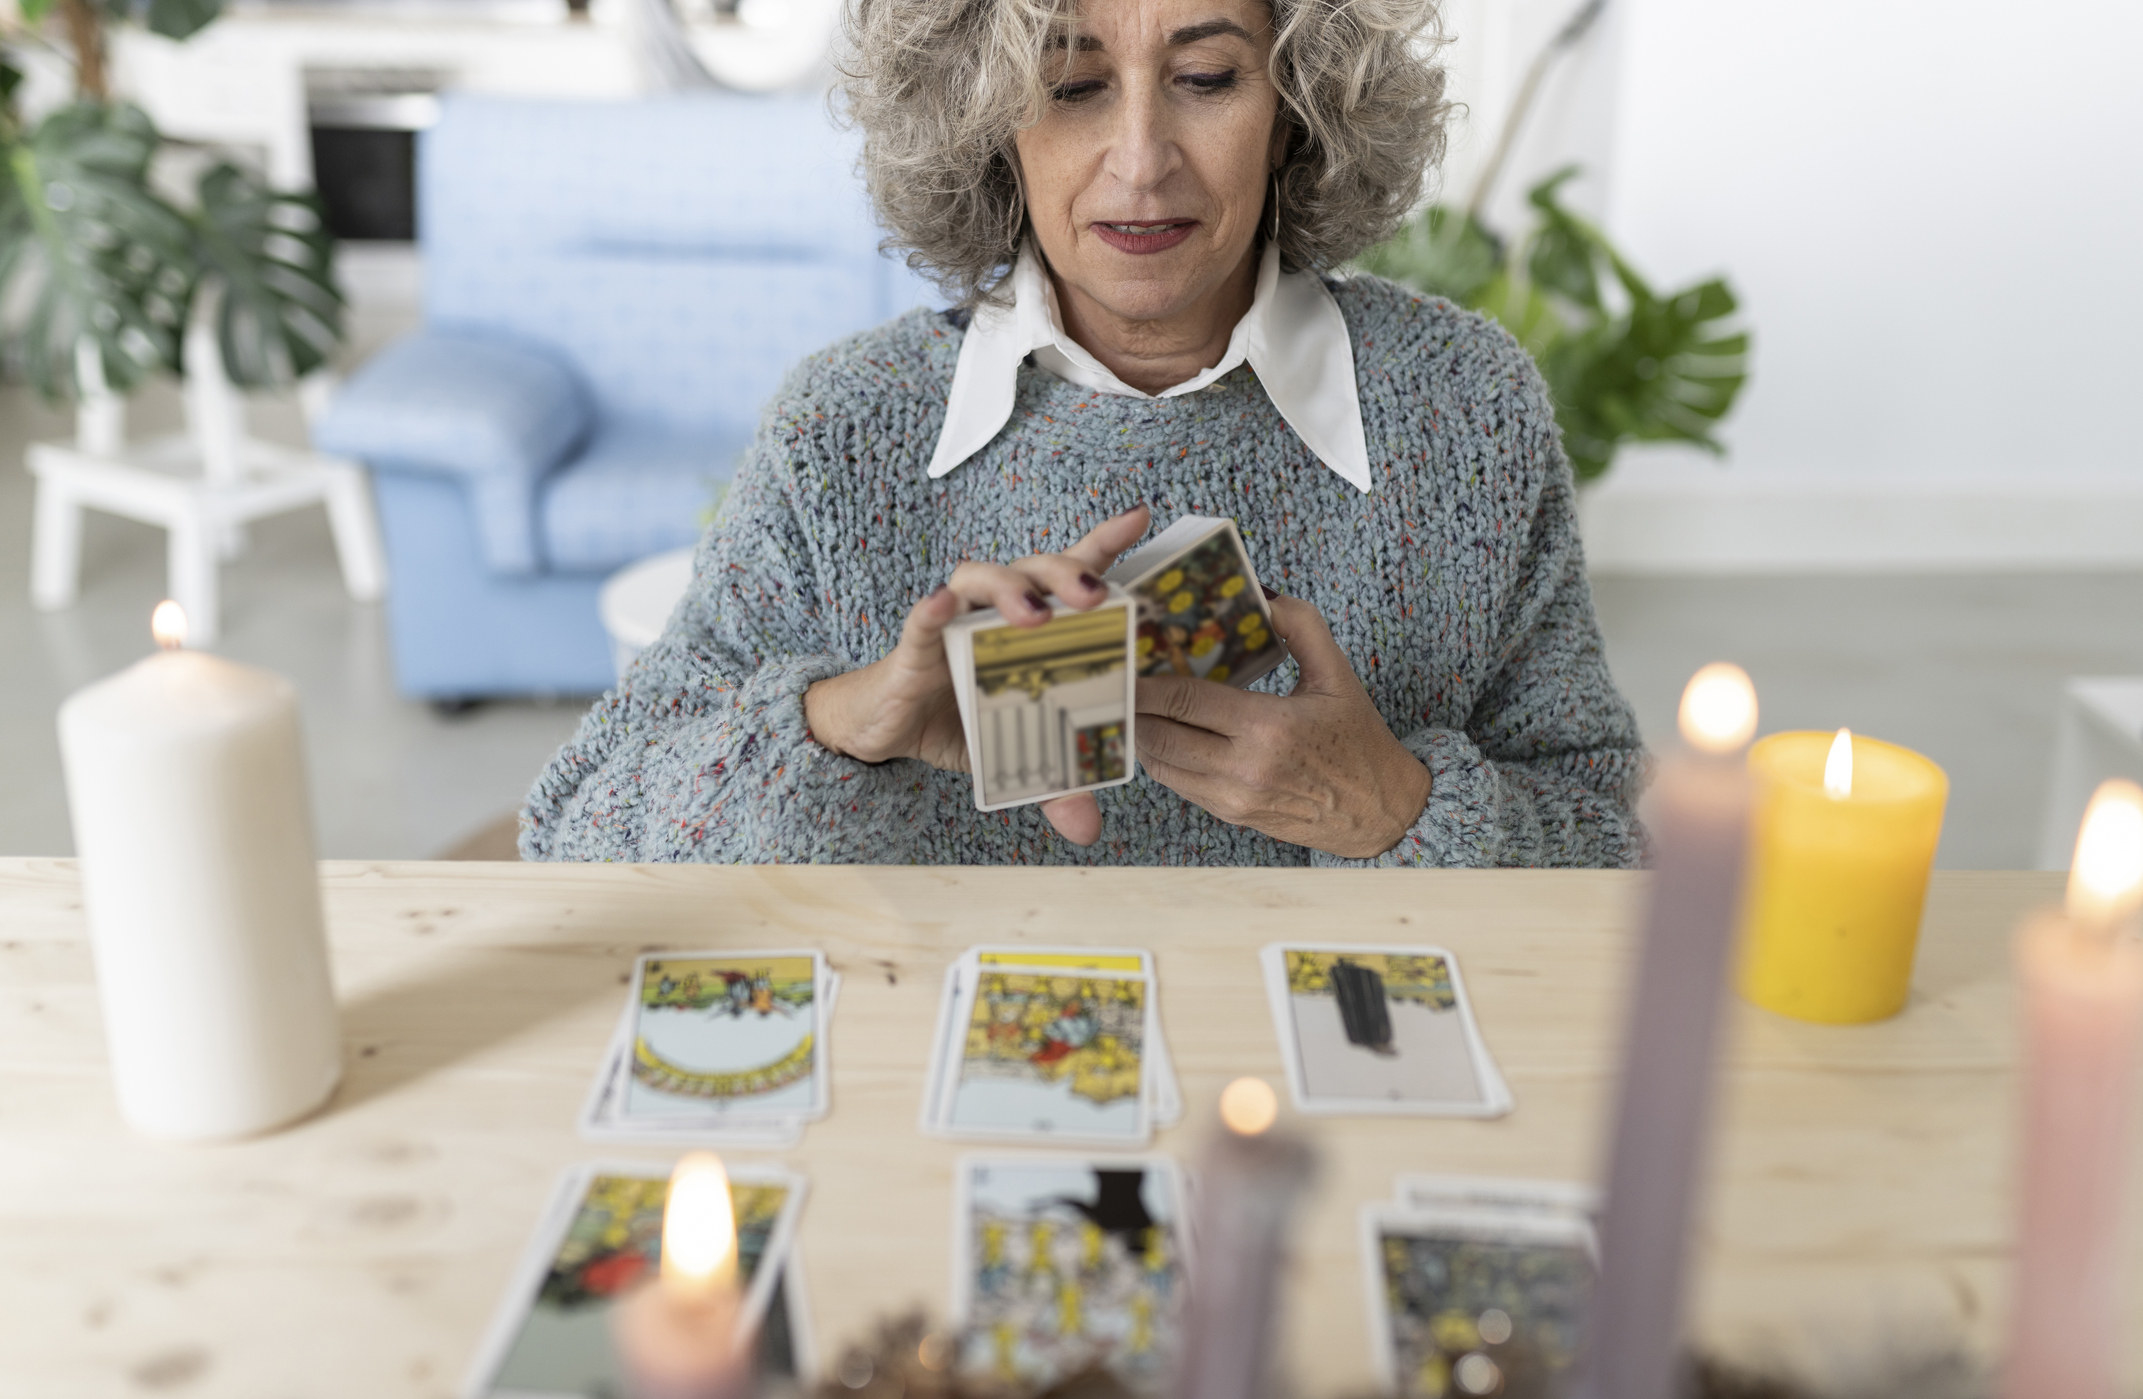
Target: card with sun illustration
1201, 611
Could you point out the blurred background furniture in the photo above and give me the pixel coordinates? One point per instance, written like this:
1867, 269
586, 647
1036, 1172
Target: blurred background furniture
2100, 735
202, 487
612, 292
637, 602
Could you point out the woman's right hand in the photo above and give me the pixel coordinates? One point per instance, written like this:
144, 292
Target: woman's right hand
901, 705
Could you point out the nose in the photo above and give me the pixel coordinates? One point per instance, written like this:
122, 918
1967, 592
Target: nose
1142, 147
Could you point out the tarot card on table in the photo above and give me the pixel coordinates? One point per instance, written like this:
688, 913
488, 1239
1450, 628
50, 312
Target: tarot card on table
949, 1060
1380, 1030
1476, 1302
1048, 710
1061, 1264
1200, 610
601, 1236
723, 1047
1054, 1053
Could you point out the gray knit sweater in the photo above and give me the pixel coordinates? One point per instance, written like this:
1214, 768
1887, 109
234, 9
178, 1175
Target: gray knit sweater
1456, 586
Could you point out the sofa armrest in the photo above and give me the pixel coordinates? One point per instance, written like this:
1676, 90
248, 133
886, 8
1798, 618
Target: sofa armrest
500, 414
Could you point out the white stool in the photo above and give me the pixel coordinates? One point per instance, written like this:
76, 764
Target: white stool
2100, 736
637, 600
203, 487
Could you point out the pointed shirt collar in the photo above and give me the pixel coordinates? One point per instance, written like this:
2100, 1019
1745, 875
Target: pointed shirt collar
1293, 337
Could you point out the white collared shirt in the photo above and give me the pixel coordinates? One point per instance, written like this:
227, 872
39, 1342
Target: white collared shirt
1293, 337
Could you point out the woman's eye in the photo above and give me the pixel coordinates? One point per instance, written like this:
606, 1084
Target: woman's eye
1209, 82
1075, 92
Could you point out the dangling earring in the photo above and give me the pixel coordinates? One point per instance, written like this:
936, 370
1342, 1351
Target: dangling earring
1275, 235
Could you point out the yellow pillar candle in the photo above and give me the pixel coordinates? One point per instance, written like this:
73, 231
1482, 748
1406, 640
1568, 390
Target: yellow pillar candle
1842, 841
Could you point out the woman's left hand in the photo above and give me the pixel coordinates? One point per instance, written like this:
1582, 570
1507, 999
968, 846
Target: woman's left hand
1318, 767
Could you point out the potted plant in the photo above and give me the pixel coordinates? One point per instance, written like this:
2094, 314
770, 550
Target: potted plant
1623, 361
100, 271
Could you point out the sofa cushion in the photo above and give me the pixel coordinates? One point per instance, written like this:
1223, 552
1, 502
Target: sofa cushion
637, 490
496, 412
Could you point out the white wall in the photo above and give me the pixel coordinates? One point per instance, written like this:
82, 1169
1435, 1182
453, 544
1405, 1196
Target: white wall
1934, 209
1934, 215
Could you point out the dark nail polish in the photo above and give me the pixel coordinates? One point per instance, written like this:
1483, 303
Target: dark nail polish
1034, 600
1089, 580
1269, 593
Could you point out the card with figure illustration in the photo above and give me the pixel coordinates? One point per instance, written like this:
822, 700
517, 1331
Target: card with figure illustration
601, 1236
728, 1035
1201, 611
1380, 1030
1161, 1082
1049, 1056
1063, 1264
1048, 710
1476, 1302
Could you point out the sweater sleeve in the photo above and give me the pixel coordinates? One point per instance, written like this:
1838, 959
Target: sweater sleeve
701, 753
1549, 766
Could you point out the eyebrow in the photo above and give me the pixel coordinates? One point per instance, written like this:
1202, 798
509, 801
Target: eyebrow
1188, 34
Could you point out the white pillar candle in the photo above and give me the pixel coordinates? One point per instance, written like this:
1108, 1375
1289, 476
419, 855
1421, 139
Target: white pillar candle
187, 788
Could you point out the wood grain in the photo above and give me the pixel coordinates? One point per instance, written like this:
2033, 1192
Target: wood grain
1859, 1181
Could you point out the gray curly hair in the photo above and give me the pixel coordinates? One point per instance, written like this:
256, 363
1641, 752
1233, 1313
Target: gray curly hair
940, 87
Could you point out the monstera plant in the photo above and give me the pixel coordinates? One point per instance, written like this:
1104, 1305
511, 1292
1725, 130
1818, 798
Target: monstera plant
95, 256
1623, 361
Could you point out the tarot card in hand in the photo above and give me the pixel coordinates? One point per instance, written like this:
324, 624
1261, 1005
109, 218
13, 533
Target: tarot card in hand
601, 1237
1048, 709
726, 1035
1380, 1030
1047, 1055
1476, 1302
1200, 610
1062, 1264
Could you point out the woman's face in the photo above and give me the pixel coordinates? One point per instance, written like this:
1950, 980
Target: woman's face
1146, 176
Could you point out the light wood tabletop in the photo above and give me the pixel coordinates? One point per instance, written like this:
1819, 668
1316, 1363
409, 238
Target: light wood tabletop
1860, 1181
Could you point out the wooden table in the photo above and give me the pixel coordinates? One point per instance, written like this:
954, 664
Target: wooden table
1861, 1179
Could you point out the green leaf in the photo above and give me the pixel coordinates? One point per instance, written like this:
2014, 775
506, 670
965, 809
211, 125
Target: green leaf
1444, 252
87, 250
279, 315
180, 19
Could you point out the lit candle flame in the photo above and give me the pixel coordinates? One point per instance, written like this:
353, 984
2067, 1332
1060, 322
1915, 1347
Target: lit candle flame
2106, 877
699, 1227
1838, 768
168, 625
1719, 709
1248, 1106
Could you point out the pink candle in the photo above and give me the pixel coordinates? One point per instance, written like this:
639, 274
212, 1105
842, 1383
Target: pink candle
678, 1336
1248, 1182
2082, 974
1698, 816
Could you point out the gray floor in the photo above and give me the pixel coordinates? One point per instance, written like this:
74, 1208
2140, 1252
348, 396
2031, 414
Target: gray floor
1967, 670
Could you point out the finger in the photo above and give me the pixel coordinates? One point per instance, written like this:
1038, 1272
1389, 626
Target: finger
1076, 817
922, 634
1066, 577
1007, 589
1180, 746
1325, 667
1111, 537
1202, 704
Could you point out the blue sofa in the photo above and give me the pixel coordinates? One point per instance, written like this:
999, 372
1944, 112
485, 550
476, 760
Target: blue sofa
612, 291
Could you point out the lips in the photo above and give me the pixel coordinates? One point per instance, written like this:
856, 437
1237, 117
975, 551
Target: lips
1153, 237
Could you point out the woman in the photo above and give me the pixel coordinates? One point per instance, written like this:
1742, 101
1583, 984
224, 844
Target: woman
1131, 201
